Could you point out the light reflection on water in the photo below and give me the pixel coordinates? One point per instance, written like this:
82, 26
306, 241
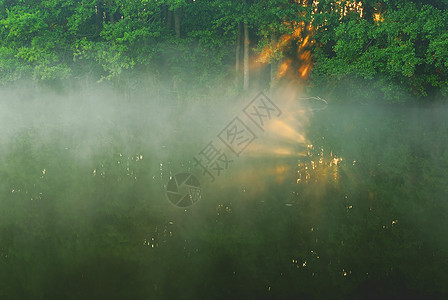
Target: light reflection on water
318, 165
325, 211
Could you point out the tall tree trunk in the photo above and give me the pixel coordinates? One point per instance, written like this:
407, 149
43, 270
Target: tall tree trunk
99, 16
238, 49
238, 56
162, 14
246, 58
112, 17
273, 64
169, 19
177, 19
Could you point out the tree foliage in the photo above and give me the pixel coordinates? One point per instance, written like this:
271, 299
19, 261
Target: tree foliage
398, 48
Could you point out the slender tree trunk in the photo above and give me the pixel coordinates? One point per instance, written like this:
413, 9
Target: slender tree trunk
162, 14
99, 16
273, 64
238, 57
246, 58
169, 19
177, 19
238, 49
111, 17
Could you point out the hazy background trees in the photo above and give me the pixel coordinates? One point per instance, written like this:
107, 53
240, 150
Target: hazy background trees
390, 50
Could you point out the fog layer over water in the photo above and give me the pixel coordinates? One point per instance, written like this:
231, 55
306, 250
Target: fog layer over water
333, 200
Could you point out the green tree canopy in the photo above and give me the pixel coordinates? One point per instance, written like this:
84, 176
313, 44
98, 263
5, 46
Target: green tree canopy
396, 49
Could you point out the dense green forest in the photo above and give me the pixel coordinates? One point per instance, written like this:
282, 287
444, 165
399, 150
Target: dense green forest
392, 50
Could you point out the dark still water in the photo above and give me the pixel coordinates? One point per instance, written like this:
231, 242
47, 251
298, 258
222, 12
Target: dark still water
348, 201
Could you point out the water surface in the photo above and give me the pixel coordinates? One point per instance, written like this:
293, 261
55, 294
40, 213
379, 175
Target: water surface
348, 201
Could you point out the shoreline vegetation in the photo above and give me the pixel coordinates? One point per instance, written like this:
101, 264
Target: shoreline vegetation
194, 50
